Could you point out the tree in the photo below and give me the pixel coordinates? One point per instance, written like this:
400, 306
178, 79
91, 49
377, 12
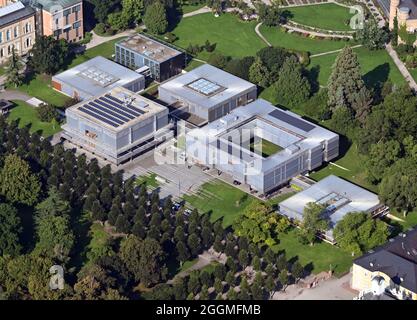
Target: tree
283, 279
357, 232
194, 244
119, 20
259, 73
273, 58
292, 88
371, 36
218, 60
134, 8
54, 234
256, 263
313, 221
47, 112
240, 67
342, 121
381, 156
345, 80
48, 55
270, 285
272, 15
14, 69
297, 270
10, 229
17, 183
218, 285
156, 18
258, 223
243, 258
122, 224
394, 33
145, 259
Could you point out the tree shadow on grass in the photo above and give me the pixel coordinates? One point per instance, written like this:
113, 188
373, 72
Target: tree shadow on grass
377, 76
313, 78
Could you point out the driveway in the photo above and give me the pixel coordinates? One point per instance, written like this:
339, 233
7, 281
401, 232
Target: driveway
14, 95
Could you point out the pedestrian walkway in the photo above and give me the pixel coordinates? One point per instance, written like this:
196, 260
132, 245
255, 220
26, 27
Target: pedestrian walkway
404, 71
334, 51
260, 35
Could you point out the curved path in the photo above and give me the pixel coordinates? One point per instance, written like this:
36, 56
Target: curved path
260, 35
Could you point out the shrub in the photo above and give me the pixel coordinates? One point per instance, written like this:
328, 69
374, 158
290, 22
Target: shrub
170, 37
100, 29
47, 112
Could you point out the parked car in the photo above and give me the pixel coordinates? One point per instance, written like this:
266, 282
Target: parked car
187, 212
176, 206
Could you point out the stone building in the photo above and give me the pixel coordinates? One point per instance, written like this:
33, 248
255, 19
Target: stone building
17, 29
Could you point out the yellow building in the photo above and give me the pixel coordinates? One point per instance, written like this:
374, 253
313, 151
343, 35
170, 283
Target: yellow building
17, 29
389, 270
406, 13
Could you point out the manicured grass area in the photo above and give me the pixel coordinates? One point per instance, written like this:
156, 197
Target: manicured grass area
105, 50
221, 200
377, 66
324, 16
99, 241
27, 115
319, 257
186, 8
410, 220
193, 64
233, 37
277, 37
266, 147
150, 181
352, 161
413, 73
40, 87
280, 198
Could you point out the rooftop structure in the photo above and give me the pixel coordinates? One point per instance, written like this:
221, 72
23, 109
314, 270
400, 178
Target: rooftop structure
207, 92
339, 196
117, 125
393, 265
97, 76
261, 145
53, 5
5, 106
17, 29
14, 12
141, 51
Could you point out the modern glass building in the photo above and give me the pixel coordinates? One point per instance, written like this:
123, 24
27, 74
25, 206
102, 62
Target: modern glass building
140, 51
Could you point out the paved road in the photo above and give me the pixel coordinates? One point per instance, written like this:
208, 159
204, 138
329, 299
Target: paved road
97, 40
14, 95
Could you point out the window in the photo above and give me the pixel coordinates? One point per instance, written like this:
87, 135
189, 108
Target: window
8, 35
76, 25
56, 21
16, 31
76, 8
67, 12
1, 37
28, 42
1, 53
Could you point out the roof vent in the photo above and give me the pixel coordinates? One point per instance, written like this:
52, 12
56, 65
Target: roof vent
371, 264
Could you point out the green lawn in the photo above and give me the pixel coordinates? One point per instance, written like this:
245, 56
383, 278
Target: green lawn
377, 66
27, 115
105, 49
410, 220
99, 241
280, 198
186, 8
352, 161
317, 258
324, 16
40, 87
150, 180
193, 64
277, 37
266, 147
233, 37
220, 200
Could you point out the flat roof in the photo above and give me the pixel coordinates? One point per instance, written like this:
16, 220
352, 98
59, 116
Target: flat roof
14, 12
97, 76
339, 196
261, 114
117, 109
150, 48
55, 4
216, 86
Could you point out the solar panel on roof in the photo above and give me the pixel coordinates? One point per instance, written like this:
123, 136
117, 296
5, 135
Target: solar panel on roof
130, 109
134, 113
103, 114
114, 107
115, 114
295, 122
98, 117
